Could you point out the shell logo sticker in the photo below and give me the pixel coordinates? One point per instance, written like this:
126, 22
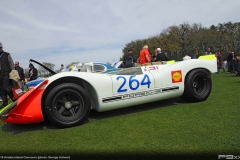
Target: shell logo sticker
176, 76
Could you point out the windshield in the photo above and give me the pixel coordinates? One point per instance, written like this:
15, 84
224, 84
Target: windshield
127, 71
118, 64
114, 64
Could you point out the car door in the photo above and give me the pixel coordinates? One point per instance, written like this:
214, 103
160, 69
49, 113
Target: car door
127, 83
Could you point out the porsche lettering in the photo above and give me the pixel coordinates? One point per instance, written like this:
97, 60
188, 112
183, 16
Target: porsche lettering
140, 94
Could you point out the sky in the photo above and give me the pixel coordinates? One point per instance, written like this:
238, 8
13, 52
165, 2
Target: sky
66, 31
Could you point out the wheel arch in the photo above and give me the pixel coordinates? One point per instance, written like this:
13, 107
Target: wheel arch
87, 86
195, 69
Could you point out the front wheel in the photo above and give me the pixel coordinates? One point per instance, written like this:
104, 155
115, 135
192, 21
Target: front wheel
198, 86
67, 105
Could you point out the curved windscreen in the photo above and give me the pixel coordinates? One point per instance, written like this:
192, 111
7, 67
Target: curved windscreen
127, 71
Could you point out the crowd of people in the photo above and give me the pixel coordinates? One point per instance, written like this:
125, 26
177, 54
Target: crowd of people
230, 64
144, 57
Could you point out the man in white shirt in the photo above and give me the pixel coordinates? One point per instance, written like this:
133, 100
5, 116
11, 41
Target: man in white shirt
186, 57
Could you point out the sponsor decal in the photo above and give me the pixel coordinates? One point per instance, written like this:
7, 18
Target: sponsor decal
152, 67
176, 76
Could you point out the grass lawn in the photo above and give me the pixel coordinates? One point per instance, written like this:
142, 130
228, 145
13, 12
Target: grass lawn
170, 128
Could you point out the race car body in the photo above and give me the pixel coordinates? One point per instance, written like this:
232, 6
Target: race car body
66, 98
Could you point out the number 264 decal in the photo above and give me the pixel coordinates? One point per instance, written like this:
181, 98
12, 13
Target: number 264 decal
133, 83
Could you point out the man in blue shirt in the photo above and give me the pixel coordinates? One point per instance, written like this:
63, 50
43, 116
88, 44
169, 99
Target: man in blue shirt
195, 56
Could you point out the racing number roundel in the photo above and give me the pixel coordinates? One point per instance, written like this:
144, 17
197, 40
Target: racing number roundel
176, 76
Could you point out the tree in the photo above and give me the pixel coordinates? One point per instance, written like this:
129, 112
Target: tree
42, 72
26, 74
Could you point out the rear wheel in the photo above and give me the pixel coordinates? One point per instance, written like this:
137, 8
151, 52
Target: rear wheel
198, 86
67, 105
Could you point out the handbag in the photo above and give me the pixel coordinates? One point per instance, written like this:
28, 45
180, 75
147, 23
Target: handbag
17, 92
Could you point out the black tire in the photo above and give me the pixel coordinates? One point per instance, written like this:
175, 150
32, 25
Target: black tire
67, 105
198, 86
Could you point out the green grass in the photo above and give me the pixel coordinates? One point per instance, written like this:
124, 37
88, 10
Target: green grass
160, 128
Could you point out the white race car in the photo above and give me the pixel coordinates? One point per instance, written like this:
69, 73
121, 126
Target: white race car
66, 98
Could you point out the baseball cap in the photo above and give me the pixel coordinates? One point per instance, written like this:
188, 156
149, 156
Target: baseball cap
158, 49
1, 45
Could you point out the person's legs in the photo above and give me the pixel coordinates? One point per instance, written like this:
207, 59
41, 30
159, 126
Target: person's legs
7, 87
226, 67
223, 67
229, 66
218, 67
22, 86
3, 94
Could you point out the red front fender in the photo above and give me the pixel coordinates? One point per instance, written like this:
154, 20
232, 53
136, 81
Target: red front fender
28, 108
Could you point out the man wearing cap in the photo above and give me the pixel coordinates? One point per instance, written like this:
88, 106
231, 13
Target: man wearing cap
6, 66
144, 56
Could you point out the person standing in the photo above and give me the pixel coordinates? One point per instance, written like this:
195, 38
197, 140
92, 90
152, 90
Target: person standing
20, 73
195, 56
129, 59
219, 62
161, 56
186, 57
154, 57
32, 72
229, 60
62, 68
237, 61
6, 66
208, 51
144, 55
